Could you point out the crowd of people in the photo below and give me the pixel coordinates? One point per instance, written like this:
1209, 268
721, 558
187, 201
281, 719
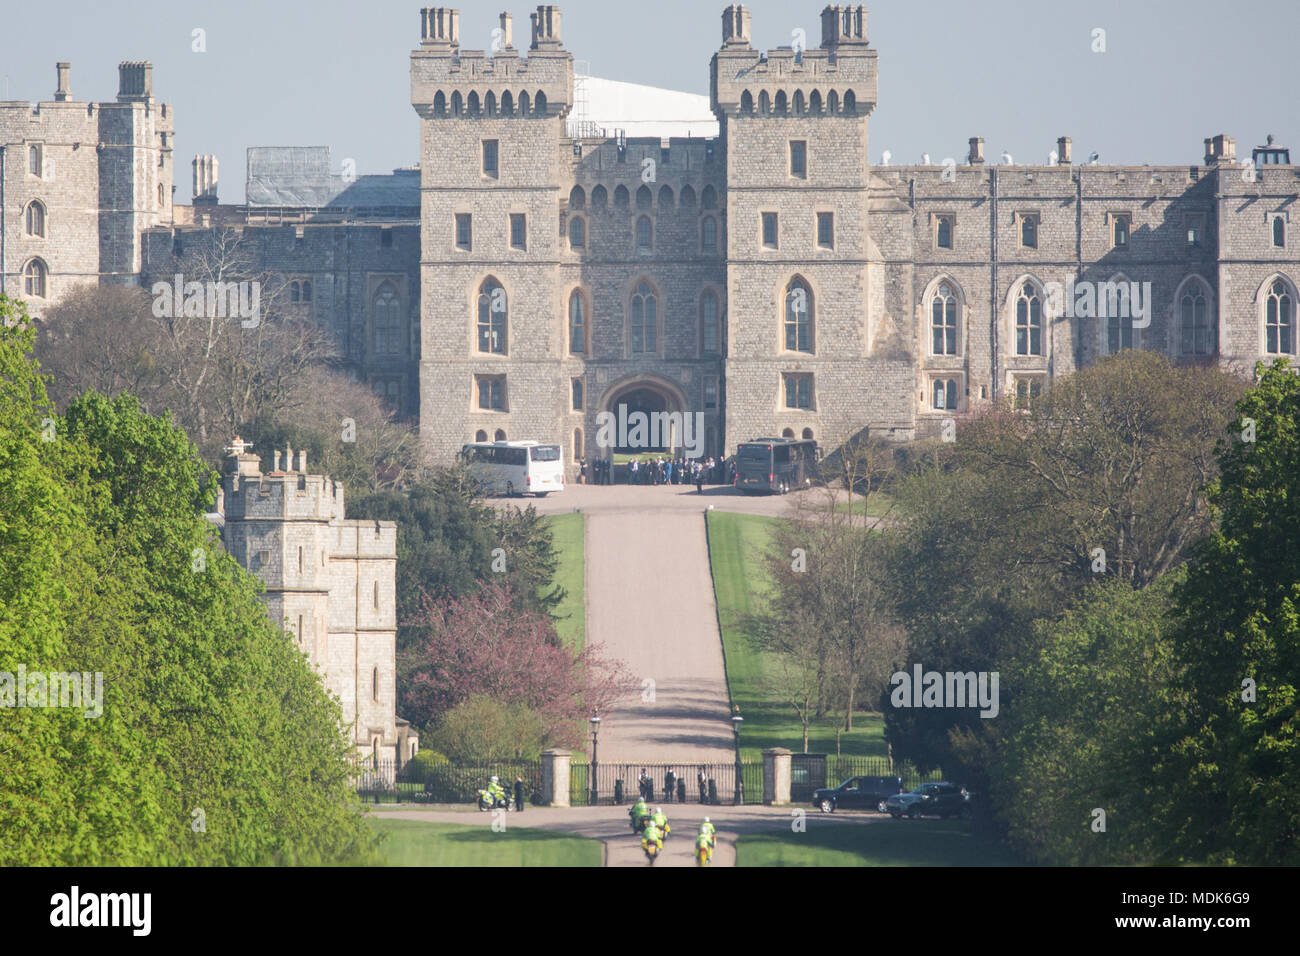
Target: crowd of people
659, 470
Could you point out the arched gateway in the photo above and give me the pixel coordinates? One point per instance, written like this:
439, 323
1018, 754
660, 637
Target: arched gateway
646, 414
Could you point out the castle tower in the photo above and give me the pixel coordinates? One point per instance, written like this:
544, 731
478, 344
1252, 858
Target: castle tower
804, 277
491, 127
330, 582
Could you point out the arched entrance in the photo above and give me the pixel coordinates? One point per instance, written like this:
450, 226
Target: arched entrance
644, 416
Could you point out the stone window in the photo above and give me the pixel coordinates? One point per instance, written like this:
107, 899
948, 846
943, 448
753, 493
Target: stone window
807, 434
644, 234
826, 230
492, 317
34, 276
1121, 225
36, 218
386, 238
799, 158
643, 329
499, 435
943, 321
577, 444
1119, 333
1027, 388
577, 233
643, 198
709, 323
621, 197
299, 290
1279, 319
1196, 337
798, 316
1029, 321
491, 391
798, 390
710, 393
770, 231
1029, 230
943, 229
464, 231
387, 312
1195, 225
490, 165
576, 389
709, 198
374, 673
1279, 231
747, 102
944, 395
709, 234
577, 323
599, 197
35, 159
518, 230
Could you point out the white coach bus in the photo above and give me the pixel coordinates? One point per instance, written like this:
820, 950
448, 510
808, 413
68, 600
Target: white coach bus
515, 467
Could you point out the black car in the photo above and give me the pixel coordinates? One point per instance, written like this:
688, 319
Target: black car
858, 793
930, 800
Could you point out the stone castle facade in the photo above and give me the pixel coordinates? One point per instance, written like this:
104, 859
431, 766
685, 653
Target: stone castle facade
534, 272
330, 581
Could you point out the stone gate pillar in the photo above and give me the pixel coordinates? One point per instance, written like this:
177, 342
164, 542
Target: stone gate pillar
555, 778
776, 776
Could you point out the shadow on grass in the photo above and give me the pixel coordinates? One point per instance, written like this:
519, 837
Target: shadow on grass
885, 843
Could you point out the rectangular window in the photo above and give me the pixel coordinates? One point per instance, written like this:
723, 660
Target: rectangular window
491, 392
1195, 225
710, 393
1027, 389
769, 230
799, 159
464, 231
1029, 230
798, 391
943, 232
490, 158
1121, 225
35, 159
386, 238
826, 230
577, 394
518, 230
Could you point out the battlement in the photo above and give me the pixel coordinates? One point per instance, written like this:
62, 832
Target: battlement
837, 79
447, 81
280, 495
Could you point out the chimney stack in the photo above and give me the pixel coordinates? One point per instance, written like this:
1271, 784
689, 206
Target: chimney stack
735, 26
546, 28
507, 31
976, 155
135, 82
1220, 149
63, 91
440, 27
1063, 151
205, 180
302, 461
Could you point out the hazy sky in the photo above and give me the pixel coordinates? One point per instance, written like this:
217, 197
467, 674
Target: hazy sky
1020, 74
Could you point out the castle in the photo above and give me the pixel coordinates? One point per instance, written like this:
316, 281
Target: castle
330, 581
536, 270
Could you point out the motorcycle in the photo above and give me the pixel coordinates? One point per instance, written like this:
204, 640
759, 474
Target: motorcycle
704, 855
651, 849
637, 823
486, 801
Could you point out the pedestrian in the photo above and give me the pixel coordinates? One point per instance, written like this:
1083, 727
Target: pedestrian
582, 471
699, 479
646, 785
632, 472
669, 470
670, 785
519, 794
702, 780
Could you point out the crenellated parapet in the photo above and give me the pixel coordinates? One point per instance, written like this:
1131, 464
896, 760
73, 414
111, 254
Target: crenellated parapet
448, 82
837, 78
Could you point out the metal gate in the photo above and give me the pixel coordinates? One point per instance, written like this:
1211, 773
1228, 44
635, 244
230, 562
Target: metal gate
621, 783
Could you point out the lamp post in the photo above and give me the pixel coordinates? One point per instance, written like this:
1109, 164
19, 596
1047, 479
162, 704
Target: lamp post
595, 729
735, 729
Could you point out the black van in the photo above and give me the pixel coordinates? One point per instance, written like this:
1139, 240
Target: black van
775, 465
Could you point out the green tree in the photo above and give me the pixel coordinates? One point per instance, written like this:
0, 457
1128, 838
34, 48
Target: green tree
481, 728
1237, 797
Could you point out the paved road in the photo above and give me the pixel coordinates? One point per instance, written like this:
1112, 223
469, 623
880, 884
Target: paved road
610, 826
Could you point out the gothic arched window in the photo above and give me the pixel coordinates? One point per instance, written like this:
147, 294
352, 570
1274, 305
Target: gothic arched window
1029, 321
709, 323
577, 323
798, 316
1279, 320
492, 317
388, 320
943, 321
644, 325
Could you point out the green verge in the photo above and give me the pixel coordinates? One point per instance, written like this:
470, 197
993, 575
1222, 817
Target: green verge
420, 843
567, 537
737, 546
885, 843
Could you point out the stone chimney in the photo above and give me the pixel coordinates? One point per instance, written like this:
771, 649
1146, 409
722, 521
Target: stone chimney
1063, 151
1220, 149
735, 26
546, 28
507, 31
843, 24
440, 27
205, 180
976, 155
240, 461
135, 82
63, 91
302, 461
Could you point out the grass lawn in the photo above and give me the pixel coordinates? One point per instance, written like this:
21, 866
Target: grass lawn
737, 545
419, 843
570, 574
886, 843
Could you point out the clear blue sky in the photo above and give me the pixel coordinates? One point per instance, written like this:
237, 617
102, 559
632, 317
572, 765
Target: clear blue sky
335, 72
